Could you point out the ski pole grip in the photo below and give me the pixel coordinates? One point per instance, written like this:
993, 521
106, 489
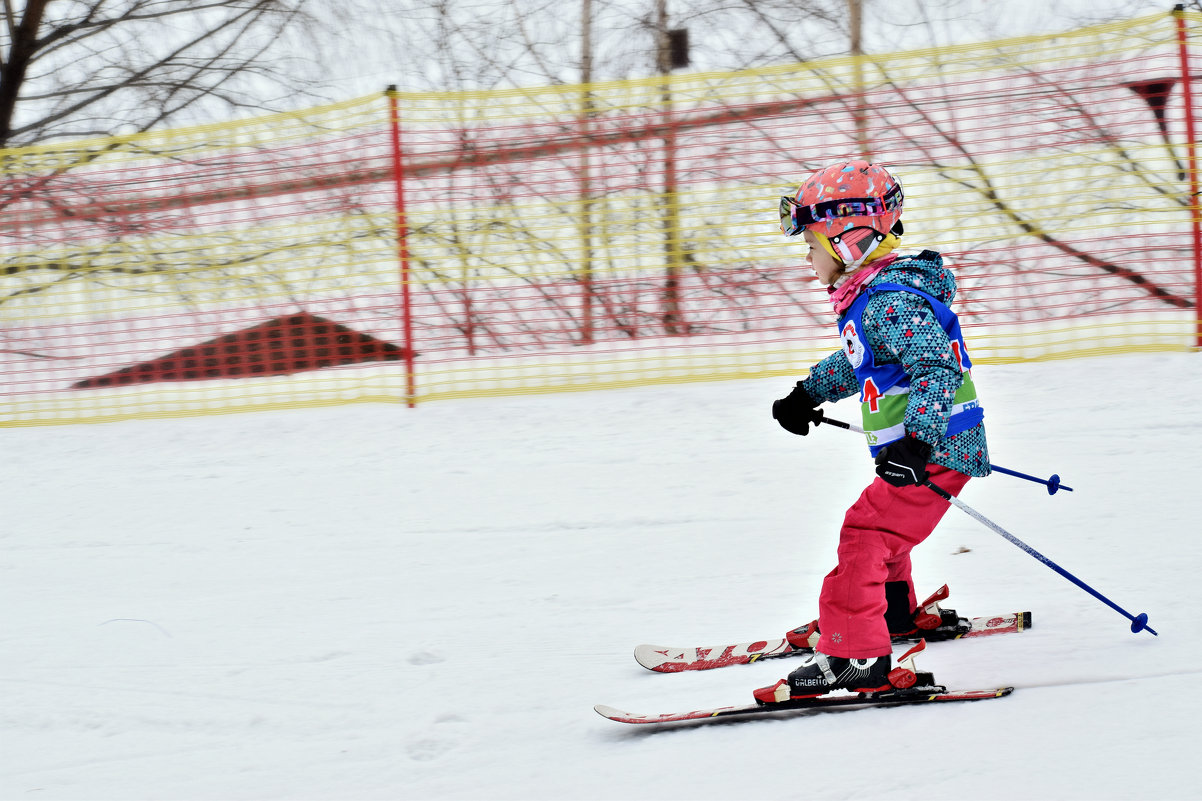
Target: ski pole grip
938, 490
830, 421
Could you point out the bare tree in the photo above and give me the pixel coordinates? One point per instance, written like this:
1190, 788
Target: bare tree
106, 65
73, 68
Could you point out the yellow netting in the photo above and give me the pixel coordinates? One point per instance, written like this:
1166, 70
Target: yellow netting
576, 237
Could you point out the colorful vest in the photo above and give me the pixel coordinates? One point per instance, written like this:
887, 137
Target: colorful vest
885, 388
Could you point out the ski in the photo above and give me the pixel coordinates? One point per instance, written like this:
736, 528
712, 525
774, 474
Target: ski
663, 659
819, 704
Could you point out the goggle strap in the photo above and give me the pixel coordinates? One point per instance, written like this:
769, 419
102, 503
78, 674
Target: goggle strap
804, 216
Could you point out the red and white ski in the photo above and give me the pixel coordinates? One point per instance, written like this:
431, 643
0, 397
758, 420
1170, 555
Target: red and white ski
822, 703
664, 659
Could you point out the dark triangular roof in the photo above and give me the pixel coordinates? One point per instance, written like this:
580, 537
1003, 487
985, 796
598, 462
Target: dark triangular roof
282, 346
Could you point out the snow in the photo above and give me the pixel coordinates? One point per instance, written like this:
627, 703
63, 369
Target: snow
371, 602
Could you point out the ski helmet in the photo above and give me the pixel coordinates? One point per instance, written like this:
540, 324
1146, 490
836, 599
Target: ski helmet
852, 205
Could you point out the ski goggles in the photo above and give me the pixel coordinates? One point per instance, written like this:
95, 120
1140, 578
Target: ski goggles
795, 218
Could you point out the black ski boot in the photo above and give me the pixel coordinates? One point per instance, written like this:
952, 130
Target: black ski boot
821, 674
929, 621
899, 617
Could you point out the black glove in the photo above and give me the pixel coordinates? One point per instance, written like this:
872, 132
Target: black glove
797, 411
904, 462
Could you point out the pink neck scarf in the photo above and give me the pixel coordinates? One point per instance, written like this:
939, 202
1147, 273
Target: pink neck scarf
844, 294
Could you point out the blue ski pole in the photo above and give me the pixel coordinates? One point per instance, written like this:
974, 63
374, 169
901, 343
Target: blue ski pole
1053, 484
1138, 622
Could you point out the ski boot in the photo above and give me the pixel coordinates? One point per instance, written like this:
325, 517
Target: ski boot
929, 621
873, 677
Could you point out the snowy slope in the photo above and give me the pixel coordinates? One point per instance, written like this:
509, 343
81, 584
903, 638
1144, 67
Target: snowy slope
372, 602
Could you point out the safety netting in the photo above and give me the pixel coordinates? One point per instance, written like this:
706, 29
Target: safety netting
409, 247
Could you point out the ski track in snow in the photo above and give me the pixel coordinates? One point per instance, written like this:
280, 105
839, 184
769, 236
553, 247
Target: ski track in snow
375, 602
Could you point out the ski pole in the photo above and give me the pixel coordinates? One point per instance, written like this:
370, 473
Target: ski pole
1138, 622
1053, 484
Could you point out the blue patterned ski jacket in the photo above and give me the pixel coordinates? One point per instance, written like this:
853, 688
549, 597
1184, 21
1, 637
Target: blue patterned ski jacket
898, 335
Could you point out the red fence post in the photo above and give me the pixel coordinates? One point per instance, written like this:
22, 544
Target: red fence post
402, 239
1191, 151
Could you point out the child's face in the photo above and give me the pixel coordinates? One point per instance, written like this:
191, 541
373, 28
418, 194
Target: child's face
822, 263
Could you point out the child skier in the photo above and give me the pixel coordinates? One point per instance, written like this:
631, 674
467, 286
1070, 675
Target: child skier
903, 350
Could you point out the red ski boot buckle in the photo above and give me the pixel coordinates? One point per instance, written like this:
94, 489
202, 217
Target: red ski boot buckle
804, 637
905, 675
775, 694
928, 615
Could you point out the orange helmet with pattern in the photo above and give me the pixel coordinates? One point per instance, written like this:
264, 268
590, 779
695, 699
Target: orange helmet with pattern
854, 205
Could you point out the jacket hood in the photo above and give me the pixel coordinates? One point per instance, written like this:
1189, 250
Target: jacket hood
924, 271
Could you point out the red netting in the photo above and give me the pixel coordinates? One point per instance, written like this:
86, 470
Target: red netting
573, 237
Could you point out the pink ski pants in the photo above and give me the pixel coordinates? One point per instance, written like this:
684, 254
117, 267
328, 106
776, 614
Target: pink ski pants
879, 531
